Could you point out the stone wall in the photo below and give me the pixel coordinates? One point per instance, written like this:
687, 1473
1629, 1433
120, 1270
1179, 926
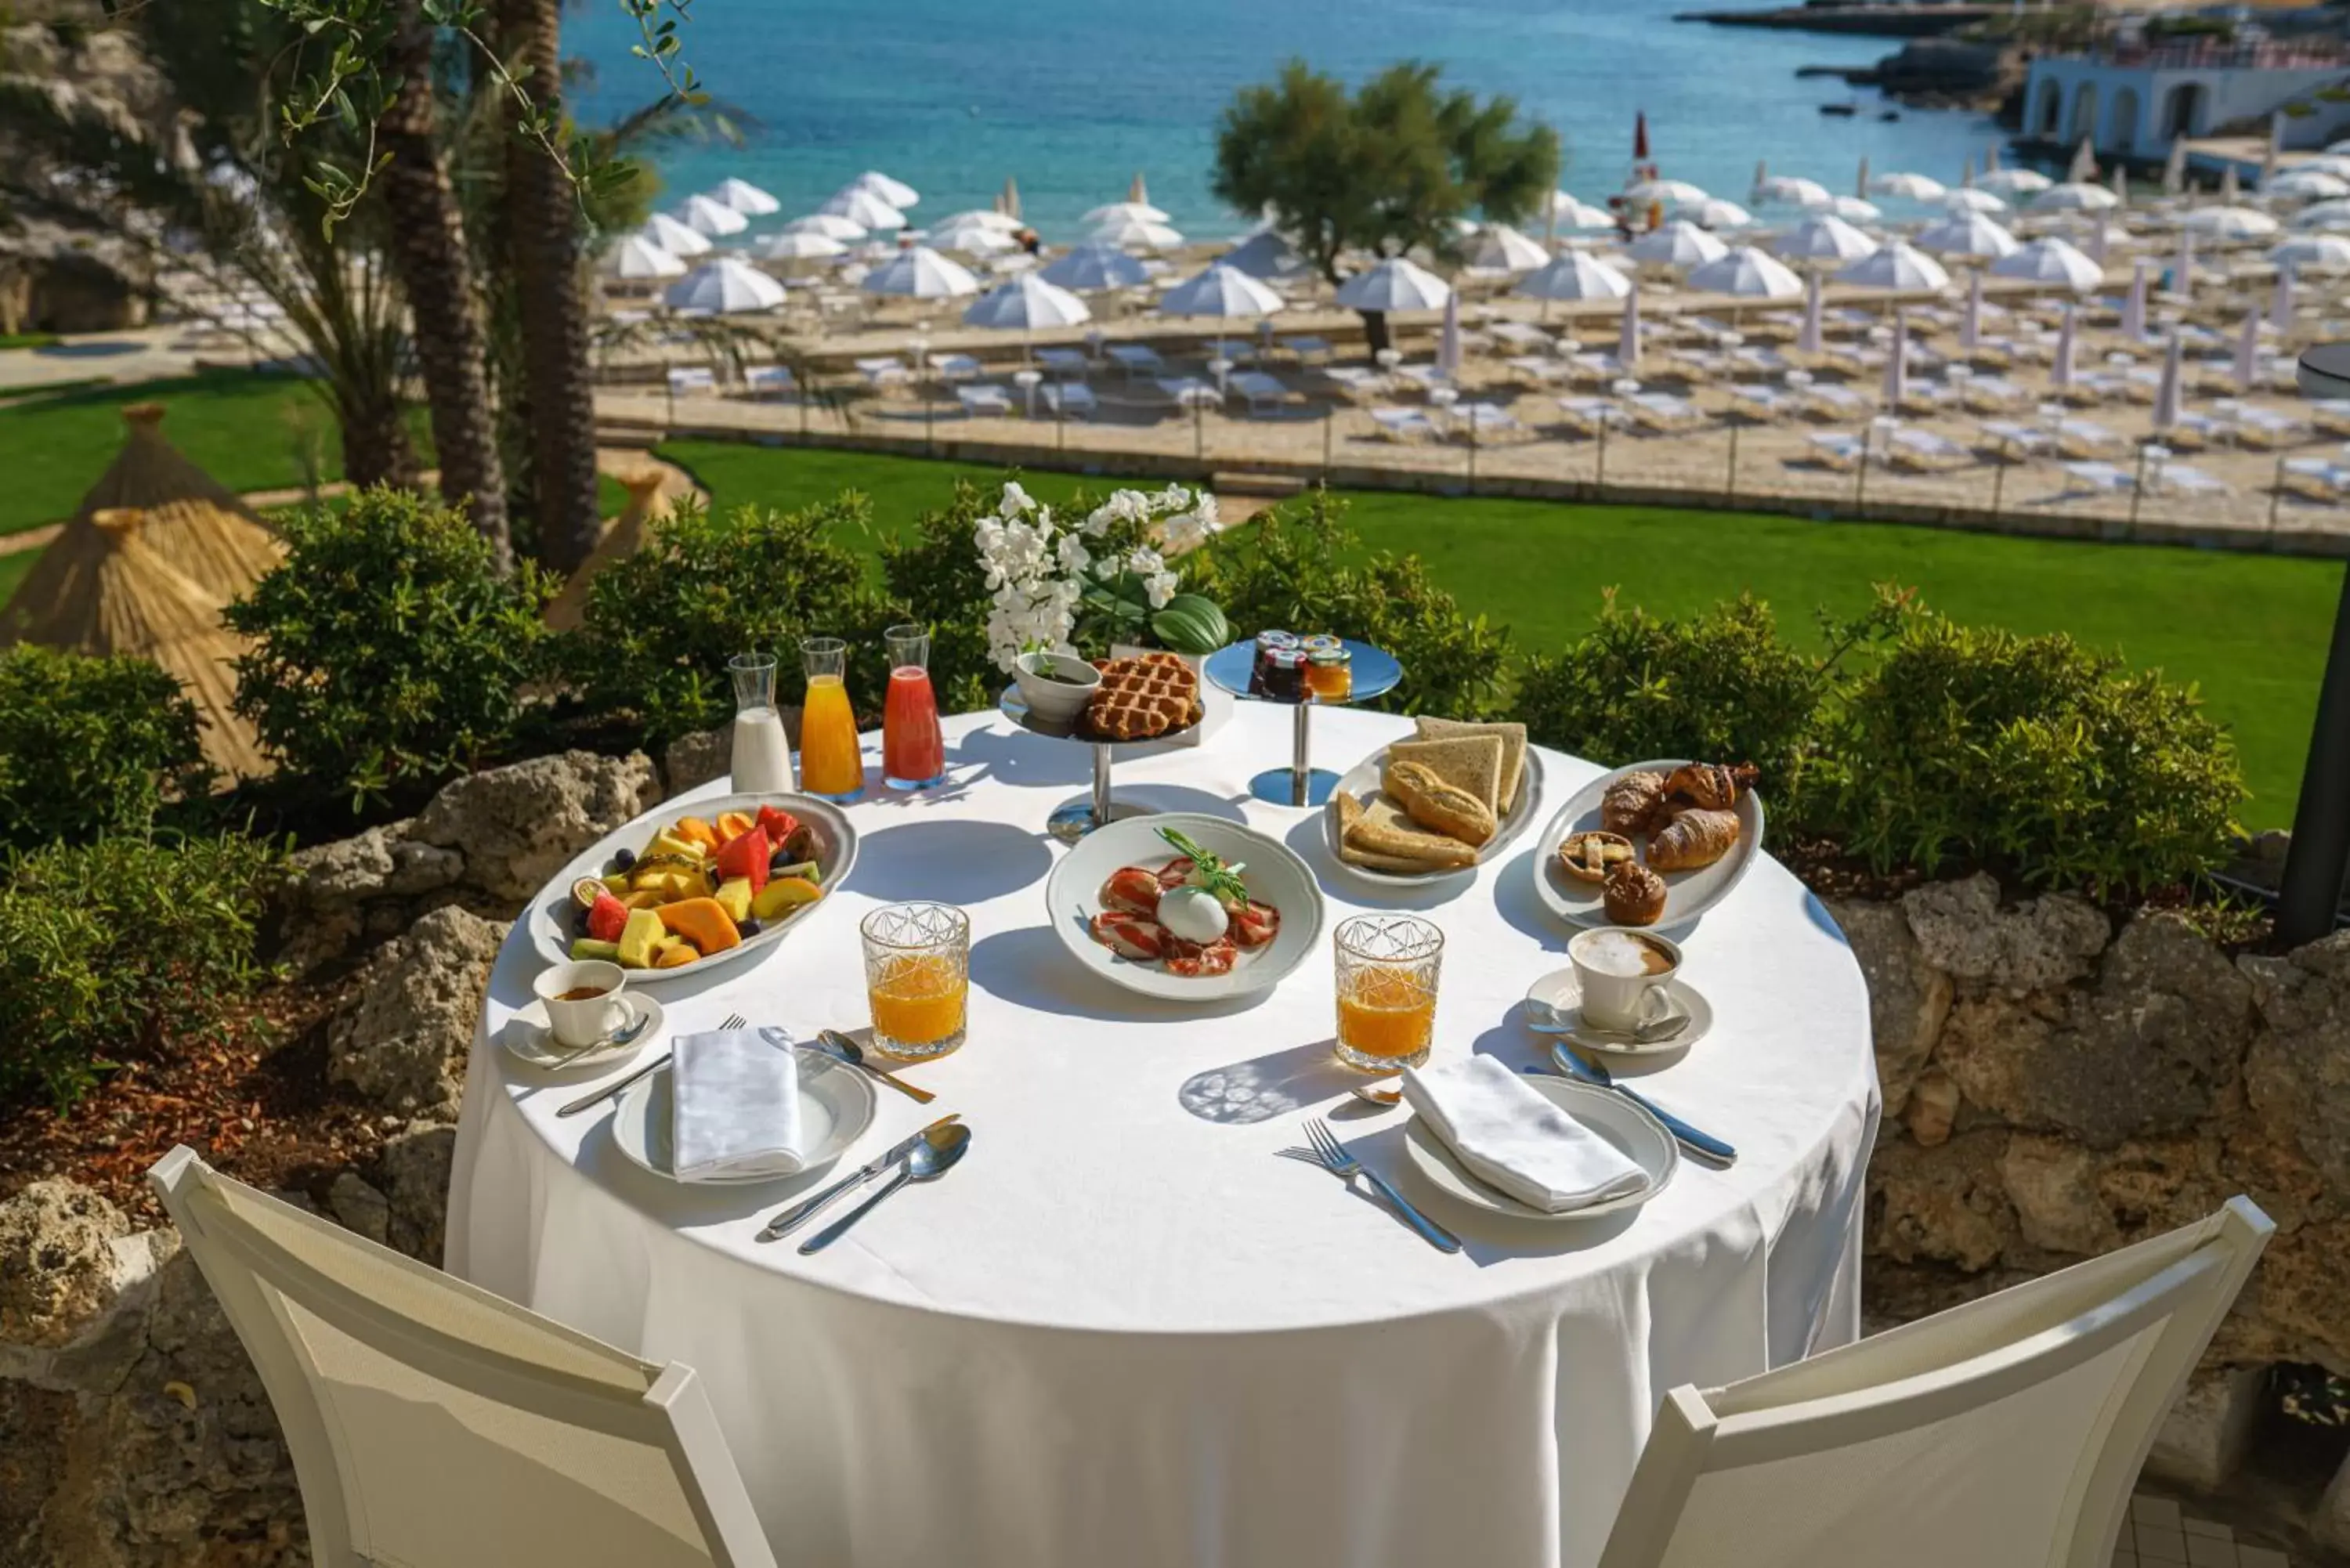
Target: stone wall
2053, 1089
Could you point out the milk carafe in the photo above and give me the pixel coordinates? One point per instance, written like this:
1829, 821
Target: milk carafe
761, 756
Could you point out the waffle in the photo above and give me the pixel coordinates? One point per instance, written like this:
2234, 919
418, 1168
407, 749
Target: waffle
1143, 697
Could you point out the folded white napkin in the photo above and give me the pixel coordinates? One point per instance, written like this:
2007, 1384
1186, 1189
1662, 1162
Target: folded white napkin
1516, 1141
734, 1105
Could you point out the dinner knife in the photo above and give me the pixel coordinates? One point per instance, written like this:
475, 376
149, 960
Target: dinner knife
807, 1208
1704, 1145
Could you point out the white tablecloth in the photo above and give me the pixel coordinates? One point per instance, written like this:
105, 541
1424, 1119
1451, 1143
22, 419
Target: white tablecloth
1123, 1332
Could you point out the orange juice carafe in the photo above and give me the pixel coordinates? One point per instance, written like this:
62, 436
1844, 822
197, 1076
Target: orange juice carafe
831, 764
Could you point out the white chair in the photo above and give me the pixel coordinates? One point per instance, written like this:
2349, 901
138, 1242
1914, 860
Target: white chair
435, 1426
2005, 1433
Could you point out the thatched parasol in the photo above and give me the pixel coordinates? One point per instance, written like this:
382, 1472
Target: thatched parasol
621, 538
193, 521
104, 588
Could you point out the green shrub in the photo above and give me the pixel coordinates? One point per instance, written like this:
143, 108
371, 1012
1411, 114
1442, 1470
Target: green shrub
659, 627
90, 745
2034, 754
123, 947
1296, 567
389, 654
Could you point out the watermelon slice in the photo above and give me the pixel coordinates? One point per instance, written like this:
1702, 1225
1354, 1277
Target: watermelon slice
780, 825
745, 855
607, 918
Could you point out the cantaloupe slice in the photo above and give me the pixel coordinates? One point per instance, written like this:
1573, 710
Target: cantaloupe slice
703, 922
697, 830
731, 825
677, 956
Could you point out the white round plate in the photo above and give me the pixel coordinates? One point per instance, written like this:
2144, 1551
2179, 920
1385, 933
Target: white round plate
526, 1038
1687, 894
1362, 782
1637, 1136
835, 1107
550, 913
1273, 871
1554, 1006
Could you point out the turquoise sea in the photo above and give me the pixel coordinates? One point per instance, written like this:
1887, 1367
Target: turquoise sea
1073, 97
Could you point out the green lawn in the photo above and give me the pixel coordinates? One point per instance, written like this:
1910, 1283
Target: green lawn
2249, 630
13, 570
27, 340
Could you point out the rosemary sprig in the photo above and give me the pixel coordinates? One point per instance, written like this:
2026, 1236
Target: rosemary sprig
1213, 876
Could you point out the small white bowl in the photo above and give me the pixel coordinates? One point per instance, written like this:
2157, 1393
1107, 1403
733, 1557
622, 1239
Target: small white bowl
1055, 686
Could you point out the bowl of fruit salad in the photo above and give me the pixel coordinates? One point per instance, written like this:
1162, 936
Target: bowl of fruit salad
690, 885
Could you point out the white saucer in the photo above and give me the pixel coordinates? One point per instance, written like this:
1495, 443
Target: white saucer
1554, 1006
527, 1039
835, 1107
1637, 1136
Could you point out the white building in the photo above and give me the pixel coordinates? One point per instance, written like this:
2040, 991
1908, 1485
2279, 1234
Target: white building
2133, 100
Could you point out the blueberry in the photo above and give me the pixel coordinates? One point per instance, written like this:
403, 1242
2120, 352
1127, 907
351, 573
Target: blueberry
623, 857
750, 927
580, 923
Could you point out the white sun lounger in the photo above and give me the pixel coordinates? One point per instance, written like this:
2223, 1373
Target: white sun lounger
2270, 428
1404, 424
2101, 476
1486, 420
686, 381
1521, 334
1136, 359
883, 371
1664, 411
1306, 345
1539, 369
2020, 438
2075, 436
1587, 414
1355, 380
769, 380
1064, 361
2321, 475
2177, 478
987, 397
1991, 392
954, 367
1761, 402
2331, 415
1071, 398
1189, 391
2193, 427
1837, 449
1836, 401
1264, 394
1921, 449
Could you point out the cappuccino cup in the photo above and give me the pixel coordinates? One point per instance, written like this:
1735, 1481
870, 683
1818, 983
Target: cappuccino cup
583, 1000
1620, 973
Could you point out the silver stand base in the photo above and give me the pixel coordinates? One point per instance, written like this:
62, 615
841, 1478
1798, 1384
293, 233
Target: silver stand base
1278, 786
1074, 820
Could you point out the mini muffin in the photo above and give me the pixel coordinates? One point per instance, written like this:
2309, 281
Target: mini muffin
1587, 855
1632, 895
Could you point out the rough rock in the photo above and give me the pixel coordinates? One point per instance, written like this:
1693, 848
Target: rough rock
415, 1175
695, 760
2297, 1073
1962, 930
360, 1208
2054, 1186
1933, 1109
2331, 1522
1908, 998
402, 1037
1944, 1205
2201, 1444
58, 1269
516, 825
382, 862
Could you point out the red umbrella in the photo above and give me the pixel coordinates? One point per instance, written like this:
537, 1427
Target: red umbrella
1640, 135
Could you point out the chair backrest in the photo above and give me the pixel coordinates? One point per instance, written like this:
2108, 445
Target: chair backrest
2006, 1433
434, 1425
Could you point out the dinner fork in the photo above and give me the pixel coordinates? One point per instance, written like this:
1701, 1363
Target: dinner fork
1340, 1161
597, 1096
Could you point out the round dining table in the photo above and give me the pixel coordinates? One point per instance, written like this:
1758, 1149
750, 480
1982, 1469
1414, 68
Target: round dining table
1125, 1332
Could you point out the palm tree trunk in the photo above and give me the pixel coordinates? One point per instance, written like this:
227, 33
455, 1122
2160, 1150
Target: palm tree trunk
545, 228
376, 448
436, 274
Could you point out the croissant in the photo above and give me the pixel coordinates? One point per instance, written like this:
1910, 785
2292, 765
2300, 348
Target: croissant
1631, 803
1632, 895
1709, 785
1694, 838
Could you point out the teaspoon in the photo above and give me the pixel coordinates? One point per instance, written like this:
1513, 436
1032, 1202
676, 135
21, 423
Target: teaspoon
932, 1158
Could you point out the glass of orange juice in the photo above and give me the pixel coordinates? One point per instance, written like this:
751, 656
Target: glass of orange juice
917, 977
830, 763
1388, 969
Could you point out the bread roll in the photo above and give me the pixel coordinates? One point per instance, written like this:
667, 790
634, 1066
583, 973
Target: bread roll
1435, 804
1629, 804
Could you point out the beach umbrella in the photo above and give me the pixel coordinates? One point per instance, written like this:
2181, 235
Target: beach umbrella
2312, 253
2072, 196
981, 217
2229, 225
2247, 367
1899, 265
2307, 185
744, 198
1809, 339
1136, 234
712, 218
727, 286
1909, 187
921, 272
1394, 283
2182, 268
1265, 255
2336, 165
1575, 274
2050, 261
1825, 237
2281, 302
2229, 193
2084, 167
1448, 340
1120, 211
1967, 234
1137, 190
2330, 216
1627, 335
1025, 304
637, 258
1746, 273
673, 236
1669, 192
1968, 199
2060, 363
1713, 213
1897, 362
1677, 243
1860, 180
2274, 149
831, 225
971, 239
2134, 305
894, 193
1793, 190
1500, 248
2013, 182
2174, 168
1008, 200
2121, 185
1220, 291
1853, 210
2165, 394
1971, 323
1565, 212
1095, 266
797, 247
864, 208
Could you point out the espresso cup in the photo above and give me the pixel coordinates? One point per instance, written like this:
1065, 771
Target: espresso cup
1617, 969
589, 1020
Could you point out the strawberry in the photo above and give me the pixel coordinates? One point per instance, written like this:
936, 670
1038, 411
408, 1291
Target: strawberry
745, 855
607, 918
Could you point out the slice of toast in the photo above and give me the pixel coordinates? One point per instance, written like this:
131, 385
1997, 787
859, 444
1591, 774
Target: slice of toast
1384, 830
1471, 763
1514, 752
